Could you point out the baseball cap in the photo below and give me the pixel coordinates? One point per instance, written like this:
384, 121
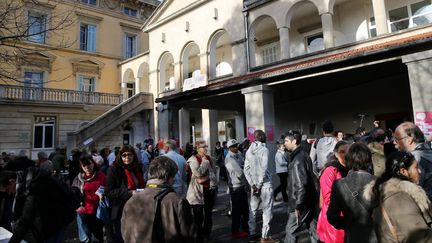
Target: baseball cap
232, 142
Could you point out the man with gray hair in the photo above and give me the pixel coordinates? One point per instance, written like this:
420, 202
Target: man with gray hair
179, 185
409, 138
43, 162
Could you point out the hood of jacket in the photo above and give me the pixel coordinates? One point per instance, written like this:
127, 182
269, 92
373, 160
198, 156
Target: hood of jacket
395, 185
376, 148
257, 147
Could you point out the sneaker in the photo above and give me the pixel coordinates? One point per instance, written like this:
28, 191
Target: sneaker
268, 240
239, 234
254, 238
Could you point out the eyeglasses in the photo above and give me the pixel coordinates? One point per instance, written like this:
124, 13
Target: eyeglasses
124, 155
398, 139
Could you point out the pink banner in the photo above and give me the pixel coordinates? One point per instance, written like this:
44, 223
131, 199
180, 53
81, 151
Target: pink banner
270, 133
250, 133
424, 121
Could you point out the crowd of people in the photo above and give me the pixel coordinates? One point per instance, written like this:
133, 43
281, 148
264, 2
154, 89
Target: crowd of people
374, 186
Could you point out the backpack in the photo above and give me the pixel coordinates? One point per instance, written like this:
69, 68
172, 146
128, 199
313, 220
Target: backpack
50, 217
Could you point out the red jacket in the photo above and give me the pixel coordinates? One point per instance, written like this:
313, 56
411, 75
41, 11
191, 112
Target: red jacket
91, 200
326, 231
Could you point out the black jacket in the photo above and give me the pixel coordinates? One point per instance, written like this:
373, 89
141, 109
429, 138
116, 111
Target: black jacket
356, 219
116, 189
423, 155
41, 211
302, 191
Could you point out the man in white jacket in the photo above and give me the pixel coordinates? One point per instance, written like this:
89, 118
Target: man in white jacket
259, 178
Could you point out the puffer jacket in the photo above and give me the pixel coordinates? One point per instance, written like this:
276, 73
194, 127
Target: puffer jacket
408, 210
195, 192
423, 155
356, 210
302, 193
256, 166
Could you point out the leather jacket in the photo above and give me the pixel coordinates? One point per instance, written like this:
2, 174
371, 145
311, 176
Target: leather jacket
302, 193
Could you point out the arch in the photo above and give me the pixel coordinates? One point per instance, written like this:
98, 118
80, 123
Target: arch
190, 59
166, 72
143, 76
128, 83
295, 6
264, 41
220, 54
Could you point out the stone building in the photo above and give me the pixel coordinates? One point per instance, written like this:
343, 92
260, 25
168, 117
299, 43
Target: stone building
66, 72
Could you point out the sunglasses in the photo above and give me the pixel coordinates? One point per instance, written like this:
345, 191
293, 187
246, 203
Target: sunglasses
124, 155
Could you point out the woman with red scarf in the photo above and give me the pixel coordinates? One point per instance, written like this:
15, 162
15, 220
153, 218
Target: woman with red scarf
88, 182
124, 177
202, 190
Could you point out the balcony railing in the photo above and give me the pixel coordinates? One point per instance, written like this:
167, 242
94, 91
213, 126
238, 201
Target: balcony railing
21, 93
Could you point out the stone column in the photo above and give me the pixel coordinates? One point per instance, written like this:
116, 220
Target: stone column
137, 85
178, 76
209, 128
327, 26
380, 14
260, 114
123, 90
420, 85
239, 127
184, 127
284, 42
204, 64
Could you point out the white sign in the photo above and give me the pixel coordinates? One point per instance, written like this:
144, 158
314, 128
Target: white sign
197, 80
88, 141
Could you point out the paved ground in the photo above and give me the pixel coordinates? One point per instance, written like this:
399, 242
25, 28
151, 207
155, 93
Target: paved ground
221, 223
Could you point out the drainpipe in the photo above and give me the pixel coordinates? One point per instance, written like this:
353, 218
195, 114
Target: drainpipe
246, 26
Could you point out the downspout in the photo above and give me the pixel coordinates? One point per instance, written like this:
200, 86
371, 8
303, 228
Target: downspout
246, 26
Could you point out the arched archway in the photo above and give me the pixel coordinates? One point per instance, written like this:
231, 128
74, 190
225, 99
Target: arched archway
166, 73
220, 59
143, 75
128, 83
264, 41
190, 59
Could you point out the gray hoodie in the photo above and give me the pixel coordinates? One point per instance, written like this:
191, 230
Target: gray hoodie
323, 150
235, 172
256, 166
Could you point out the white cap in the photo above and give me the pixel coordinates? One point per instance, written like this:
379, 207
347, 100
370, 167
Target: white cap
231, 142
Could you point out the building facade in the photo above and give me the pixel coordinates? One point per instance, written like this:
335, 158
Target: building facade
66, 71
222, 69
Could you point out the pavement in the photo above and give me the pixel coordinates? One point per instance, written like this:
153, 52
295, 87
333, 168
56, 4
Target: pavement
221, 222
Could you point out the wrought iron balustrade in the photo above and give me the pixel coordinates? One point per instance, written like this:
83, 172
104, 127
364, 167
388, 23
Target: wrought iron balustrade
33, 94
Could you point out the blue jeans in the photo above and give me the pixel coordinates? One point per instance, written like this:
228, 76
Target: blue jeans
90, 228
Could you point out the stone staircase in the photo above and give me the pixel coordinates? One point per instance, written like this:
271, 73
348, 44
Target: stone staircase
111, 119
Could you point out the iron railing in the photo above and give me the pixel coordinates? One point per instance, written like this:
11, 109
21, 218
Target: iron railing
33, 94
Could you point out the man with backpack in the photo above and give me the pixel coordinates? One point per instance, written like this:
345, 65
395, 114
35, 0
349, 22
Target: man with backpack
43, 205
158, 214
302, 191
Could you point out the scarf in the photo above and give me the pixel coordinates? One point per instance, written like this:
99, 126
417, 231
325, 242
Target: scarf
199, 159
82, 177
134, 178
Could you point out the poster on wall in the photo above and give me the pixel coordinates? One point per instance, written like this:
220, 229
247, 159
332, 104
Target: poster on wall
424, 121
270, 133
250, 133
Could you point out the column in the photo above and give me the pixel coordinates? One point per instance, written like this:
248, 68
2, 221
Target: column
184, 126
137, 85
204, 64
209, 128
163, 125
420, 86
284, 42
123, 90
380, 14
327, 26
252, 54
239, 62
239, 127
178, 76
260, 114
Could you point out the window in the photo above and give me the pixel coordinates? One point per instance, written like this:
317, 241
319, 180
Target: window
36, 27
409, 16
130, 45
43, 133
87, 84
130, 11
90, 2
33, 82
270, 53
88, 37
315, 42
372, 27
130, 88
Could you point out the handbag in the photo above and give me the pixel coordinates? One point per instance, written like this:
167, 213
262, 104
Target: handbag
102, 211
202, 179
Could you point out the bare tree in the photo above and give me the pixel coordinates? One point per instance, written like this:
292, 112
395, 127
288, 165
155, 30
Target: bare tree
31, 26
